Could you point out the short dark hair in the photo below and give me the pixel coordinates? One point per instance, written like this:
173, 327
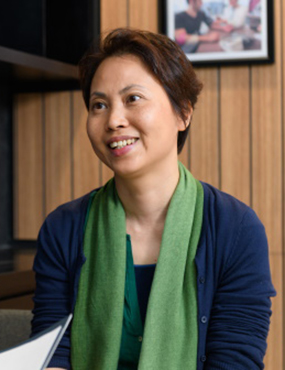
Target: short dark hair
163, 58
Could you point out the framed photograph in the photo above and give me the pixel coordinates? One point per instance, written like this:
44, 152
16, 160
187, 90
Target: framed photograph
222, 31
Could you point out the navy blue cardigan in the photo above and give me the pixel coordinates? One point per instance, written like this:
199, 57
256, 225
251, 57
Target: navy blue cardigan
233, 281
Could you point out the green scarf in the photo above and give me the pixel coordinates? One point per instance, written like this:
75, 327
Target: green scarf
170, 337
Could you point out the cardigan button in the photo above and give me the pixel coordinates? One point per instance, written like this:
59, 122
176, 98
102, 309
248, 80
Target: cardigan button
140, 339
204, 319
203, 358
202, 280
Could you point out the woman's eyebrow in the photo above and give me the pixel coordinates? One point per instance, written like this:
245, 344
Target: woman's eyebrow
125, 89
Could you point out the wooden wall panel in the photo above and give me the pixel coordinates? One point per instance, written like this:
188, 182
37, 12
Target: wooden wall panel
113, 14
144, 14
267, 167
267, 151
204, 131
28, 166
85, 162
235, 132
57, 150
280, 290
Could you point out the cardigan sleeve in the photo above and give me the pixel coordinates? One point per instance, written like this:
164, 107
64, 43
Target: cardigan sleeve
53, 267
241, 310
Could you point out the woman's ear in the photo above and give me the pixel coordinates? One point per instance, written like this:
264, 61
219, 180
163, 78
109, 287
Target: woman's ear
184, 124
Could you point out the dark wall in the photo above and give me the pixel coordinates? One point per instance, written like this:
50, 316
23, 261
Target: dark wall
6, 169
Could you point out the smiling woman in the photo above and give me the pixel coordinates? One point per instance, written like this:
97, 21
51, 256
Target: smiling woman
141, 114
161, 270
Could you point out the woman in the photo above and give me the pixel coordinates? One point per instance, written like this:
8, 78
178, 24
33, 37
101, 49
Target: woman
160, 270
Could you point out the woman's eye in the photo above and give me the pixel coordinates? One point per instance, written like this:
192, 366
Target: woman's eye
133, 98
98, 105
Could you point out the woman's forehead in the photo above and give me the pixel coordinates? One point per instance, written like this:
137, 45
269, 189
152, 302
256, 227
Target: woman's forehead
127, 69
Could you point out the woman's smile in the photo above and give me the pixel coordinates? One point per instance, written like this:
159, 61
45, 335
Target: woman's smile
121, 145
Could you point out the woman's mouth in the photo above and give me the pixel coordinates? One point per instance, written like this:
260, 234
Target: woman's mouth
122, 143
122, 147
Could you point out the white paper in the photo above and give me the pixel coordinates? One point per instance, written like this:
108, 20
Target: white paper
35, 353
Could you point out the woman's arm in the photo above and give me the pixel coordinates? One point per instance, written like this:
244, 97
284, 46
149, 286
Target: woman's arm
52, 295
241, 311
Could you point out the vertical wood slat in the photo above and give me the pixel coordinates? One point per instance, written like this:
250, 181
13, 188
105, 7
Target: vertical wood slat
57, 149
267, 178
113, 14
144, 14
235, 132
28, 166
204, 131
85, 162
267, 151
282, 277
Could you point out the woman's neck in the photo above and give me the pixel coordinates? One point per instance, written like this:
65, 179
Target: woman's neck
146, 199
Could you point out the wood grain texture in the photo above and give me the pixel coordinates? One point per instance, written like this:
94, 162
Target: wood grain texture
85, 162
57, 149
204, 131
28, 166
267, 151
267, 167
267, 144
281, 292
235, 132
144, 14
113, 14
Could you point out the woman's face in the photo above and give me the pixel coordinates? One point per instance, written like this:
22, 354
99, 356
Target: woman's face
131, 123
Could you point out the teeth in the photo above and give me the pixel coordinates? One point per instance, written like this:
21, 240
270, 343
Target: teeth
122, 143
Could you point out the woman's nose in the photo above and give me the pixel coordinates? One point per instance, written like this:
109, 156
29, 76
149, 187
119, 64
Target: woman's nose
116, 119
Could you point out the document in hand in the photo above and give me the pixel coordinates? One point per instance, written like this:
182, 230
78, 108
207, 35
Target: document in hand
35, 353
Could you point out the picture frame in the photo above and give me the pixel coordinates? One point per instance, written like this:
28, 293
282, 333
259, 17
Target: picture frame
221, 32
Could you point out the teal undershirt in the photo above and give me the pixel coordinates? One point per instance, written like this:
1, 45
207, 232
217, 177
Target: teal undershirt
132, 331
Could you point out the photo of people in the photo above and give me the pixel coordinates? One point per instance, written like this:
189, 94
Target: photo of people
219, 29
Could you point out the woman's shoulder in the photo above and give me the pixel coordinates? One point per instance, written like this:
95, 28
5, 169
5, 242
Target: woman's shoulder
218, 202
232, 232
227, 217
71, 210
